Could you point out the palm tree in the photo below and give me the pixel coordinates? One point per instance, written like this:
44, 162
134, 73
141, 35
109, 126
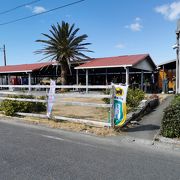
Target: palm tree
64, 46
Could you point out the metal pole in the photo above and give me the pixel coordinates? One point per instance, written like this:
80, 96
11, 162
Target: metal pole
178, 66
87, 80
142, 79
29, 81
77, 77
112, 108
106, 77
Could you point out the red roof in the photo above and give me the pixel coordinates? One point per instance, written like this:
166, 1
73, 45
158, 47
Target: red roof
23, 67
118, 61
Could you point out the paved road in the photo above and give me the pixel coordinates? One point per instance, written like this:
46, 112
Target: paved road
34, 152
150, 124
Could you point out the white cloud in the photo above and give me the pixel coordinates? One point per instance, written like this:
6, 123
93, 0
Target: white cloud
38, 9
120, 46
29, 7
137, 19
169, 11
136, 25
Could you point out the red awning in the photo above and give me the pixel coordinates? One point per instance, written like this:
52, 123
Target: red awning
23, 67
110, 62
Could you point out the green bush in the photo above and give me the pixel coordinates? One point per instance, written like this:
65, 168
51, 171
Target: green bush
133, 98
10, 107
170, 126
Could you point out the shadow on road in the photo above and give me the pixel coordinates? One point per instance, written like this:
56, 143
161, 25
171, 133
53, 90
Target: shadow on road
147, 127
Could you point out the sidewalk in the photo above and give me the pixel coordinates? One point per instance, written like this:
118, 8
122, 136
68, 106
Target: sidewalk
150, 124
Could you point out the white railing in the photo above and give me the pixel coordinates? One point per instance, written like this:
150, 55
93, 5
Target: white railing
22, 91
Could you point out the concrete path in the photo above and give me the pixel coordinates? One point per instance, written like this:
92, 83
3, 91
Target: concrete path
150, 124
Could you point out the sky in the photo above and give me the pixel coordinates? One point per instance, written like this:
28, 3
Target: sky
114, 27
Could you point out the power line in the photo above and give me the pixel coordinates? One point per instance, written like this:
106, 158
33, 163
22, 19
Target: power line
17, 7
28, 17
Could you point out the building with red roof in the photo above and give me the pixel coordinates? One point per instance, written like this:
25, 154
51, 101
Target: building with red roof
95, 71
126, 69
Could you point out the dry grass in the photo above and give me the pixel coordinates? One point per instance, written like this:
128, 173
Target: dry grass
82, 112
77, 127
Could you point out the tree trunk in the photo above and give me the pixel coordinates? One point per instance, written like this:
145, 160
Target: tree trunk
64, 72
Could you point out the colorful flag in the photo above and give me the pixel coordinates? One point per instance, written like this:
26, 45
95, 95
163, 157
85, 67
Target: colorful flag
51, 98
120, 105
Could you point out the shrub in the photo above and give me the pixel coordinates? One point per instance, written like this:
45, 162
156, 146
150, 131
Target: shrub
170, 126
133, 98
10, 107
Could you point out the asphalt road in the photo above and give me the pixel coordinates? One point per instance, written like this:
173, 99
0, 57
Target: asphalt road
34, 152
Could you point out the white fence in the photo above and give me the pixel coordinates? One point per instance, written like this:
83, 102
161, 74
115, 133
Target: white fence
34, 89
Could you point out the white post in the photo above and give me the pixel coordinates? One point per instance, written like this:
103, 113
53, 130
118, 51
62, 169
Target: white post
29, 81
142, 79
127, 76
86, 80
77, 77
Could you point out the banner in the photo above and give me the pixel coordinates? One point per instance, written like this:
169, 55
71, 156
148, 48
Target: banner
51, 98
120, 105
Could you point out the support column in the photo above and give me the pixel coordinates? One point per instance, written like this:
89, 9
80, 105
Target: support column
127, 76
77, 77
29, 81
106, 77
163, 82
142, 79
8, 80
86, 80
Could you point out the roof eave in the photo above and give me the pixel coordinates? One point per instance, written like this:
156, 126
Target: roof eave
11, 72
101, 67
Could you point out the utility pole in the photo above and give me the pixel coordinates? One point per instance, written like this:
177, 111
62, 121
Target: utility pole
177, 63
177, 58
4, 52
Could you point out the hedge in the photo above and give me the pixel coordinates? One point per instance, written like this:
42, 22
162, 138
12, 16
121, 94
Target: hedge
170, 126
10, 107
134, 97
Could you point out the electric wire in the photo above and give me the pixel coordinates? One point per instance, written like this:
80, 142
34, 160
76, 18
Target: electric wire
54, 9
17, 7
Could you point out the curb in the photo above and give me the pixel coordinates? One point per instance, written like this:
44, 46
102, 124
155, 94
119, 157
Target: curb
167, 140
166, 143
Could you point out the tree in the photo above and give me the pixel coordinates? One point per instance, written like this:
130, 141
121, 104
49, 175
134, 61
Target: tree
64, 46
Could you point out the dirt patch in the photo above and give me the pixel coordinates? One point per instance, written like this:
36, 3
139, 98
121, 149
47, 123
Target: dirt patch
82, 112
